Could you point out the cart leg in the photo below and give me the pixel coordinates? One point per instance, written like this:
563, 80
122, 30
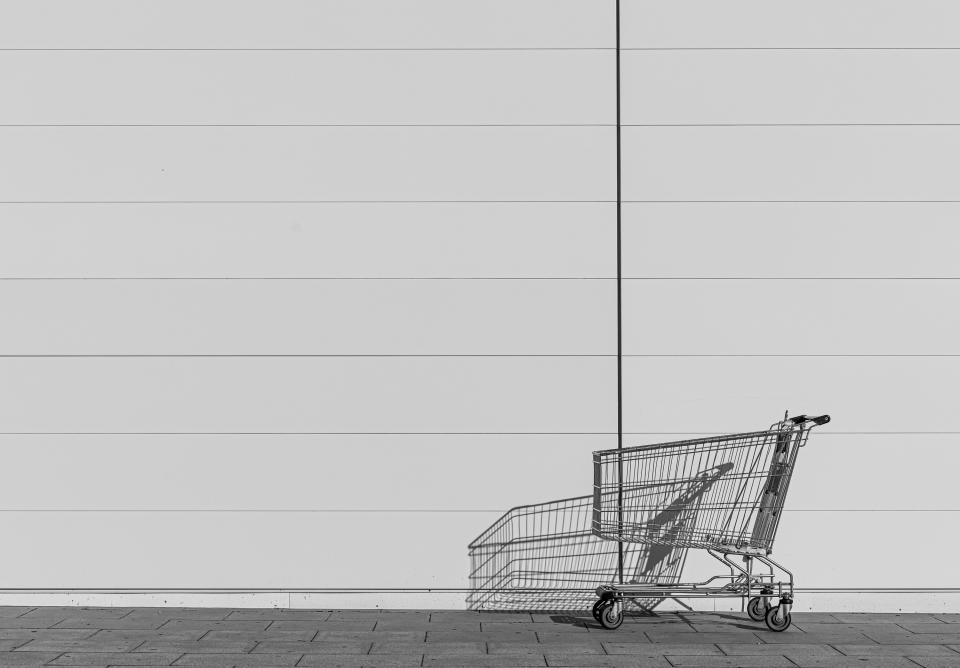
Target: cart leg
767, 593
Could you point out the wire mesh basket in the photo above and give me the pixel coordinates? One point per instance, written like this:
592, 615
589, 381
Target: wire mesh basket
722, 492
545, 556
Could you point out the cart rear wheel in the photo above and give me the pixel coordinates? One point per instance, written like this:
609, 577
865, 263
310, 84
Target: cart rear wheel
597, 607
757, 608
777, 620
609, 617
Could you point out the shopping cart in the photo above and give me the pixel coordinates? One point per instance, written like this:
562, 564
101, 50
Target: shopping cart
722, 494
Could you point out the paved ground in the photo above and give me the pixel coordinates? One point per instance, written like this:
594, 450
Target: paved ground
219, 637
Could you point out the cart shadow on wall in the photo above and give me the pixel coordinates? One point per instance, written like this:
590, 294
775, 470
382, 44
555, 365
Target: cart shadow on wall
545, 556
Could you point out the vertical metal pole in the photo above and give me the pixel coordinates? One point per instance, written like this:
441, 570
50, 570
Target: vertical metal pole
619, 316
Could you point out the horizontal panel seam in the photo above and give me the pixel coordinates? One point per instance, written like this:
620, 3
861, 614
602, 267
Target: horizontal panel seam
472, 201
410, 511
374, 590
413, 356
477, 278
477, 48
447, 433
476, 125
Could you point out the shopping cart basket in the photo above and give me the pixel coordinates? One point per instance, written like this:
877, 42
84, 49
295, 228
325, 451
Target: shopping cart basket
722, 494
545, 556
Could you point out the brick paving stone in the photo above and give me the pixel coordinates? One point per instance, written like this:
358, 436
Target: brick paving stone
698, 638
800, 617
839, 628
45, 634
895, 650
9, 644
466, 636
410, 618
85, 645
627, 636
364, 661
853, 661
457, 617
511, 627
491, 617
930, 627
550, 617
14, 611
278, 614
155, 618
669, 627
353, 615
660, 649
914, 638
30, 622
547, 637
766, 661
372, 636
892, 617
322, 647
936, 661
472, 661
213, 636
620, 661
95, 659
423, 625
744, 649
196, 647
848, 638
583, 647
10, 659
752, 627
87, 612
144, 623
307, 625
143, 634
201, 625
211, 660
458, 648
949, 617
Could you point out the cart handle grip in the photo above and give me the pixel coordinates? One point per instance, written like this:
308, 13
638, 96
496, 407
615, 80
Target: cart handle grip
817, 420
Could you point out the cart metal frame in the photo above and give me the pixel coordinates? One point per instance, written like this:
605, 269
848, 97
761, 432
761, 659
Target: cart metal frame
723, 494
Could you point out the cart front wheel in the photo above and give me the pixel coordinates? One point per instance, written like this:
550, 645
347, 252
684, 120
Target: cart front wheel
597, 607
609, 617
757, 608
777, 620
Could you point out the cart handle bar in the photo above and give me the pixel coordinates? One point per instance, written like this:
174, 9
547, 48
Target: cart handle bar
818, 420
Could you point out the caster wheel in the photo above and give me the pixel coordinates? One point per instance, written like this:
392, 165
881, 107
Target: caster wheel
597, 607
609, 617
777, 620
757, 608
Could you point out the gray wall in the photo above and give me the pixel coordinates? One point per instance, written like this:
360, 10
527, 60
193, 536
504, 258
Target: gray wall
302, 295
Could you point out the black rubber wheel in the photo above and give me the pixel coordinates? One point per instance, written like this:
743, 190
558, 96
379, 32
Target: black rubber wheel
597, 607
609, 618
757, 608
777, 621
